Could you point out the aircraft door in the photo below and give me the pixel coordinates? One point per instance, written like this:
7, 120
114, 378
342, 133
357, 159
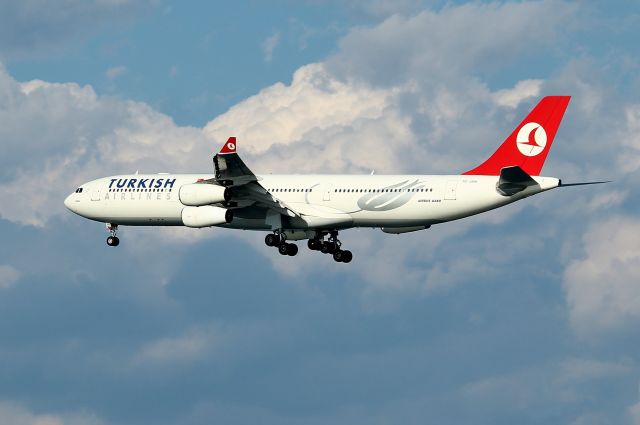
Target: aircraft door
326, 192
450, 190
95, 195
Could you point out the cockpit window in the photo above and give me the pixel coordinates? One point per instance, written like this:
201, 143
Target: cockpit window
79, 190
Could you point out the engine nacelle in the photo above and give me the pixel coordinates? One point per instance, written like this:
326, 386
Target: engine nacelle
205, 216
198, 194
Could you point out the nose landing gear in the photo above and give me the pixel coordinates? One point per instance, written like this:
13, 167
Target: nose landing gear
112, 240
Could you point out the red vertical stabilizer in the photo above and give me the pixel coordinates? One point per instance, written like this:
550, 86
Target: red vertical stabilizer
528, 145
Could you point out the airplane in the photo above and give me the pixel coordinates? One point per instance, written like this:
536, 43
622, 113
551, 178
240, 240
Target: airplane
317, 207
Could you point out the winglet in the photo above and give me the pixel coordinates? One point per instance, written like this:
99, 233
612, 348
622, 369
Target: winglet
229, 146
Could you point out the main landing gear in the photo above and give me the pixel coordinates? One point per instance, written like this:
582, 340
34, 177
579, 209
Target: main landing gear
330, 246
278, 240
112, 240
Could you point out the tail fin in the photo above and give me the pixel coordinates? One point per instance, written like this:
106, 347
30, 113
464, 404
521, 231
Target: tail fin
528, 145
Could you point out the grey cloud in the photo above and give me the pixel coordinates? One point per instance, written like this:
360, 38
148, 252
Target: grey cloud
602, 293
215, 341
16, 414
466, 322
453, 40
8, 276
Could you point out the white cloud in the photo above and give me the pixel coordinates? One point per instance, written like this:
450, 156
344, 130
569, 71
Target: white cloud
580, 370
524, 89
115, 72
227, 343
343, 125
269, 45
8, 276
80, 136
15, 414
634, 412
453, 41
319, 117
610, 199
630, 136
601, 288
333, 117
178, 349
541, 385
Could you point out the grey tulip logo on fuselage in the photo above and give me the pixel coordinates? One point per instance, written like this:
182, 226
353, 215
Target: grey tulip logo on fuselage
392, 196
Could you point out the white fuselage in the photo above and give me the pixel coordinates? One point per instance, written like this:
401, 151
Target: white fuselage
324, 201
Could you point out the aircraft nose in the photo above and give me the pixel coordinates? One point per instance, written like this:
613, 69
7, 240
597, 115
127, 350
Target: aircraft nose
68, 202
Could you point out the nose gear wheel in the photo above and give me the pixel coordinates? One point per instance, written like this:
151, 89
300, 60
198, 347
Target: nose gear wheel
112, 240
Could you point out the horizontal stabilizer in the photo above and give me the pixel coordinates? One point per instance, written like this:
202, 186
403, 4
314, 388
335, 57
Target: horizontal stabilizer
513, 180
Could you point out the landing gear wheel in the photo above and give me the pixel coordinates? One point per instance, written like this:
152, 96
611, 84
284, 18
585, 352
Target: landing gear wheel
292, 249
314, 244
283, 249
113, 241
271, 239
347, 256
328, 247
338, 256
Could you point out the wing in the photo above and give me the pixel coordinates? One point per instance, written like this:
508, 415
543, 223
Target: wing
248, 194
232, 172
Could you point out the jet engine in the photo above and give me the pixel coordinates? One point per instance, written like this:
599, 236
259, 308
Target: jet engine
205, 216
198, 194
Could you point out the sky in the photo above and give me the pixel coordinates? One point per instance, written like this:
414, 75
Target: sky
528, 314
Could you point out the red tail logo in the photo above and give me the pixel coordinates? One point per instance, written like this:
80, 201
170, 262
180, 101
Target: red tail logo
529, 144
531, 139
229, 146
